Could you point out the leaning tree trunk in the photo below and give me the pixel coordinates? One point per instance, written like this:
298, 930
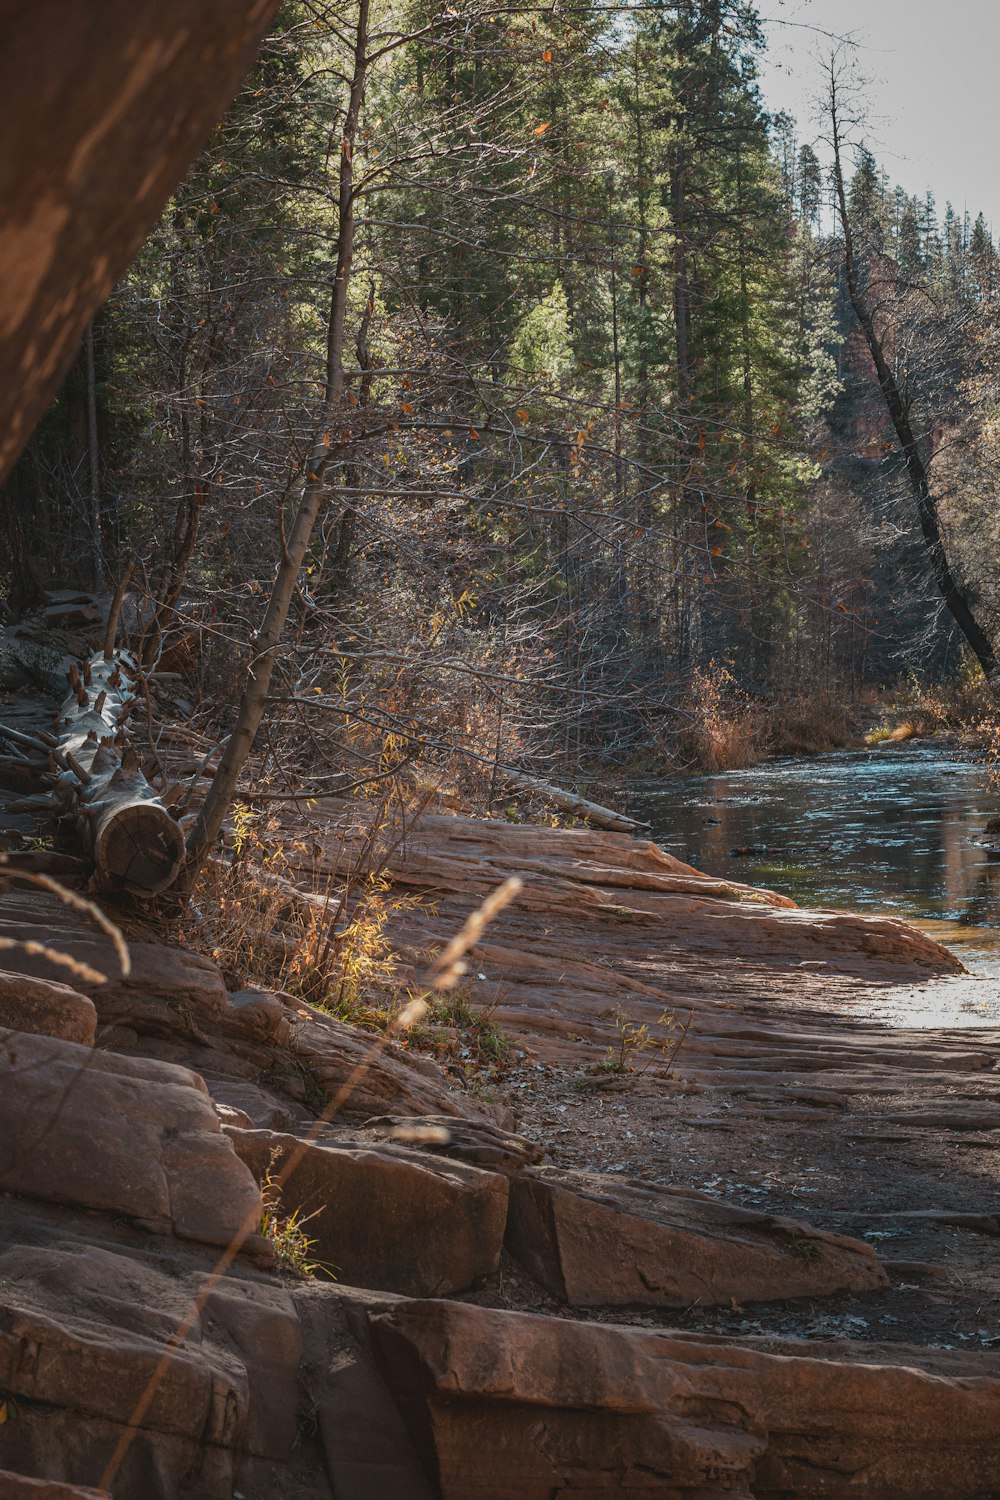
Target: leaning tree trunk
136, 844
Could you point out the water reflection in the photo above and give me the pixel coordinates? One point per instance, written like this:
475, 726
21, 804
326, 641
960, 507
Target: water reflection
892, 831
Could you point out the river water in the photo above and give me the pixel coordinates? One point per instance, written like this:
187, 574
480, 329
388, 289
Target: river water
891, 832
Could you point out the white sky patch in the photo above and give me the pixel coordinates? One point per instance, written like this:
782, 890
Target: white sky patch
932, 97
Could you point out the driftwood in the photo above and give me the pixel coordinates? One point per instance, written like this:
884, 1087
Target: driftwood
600, 817
136, 843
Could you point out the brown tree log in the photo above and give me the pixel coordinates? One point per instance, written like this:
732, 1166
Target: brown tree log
556, 796
137, 845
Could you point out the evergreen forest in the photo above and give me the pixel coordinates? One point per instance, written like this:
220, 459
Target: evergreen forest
538, 351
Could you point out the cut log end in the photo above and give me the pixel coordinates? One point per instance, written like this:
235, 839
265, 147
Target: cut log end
138, 847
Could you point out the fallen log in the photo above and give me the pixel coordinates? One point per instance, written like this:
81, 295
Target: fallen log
137, 845
600, 817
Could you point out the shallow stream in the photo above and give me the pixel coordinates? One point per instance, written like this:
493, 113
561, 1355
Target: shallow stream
893, 832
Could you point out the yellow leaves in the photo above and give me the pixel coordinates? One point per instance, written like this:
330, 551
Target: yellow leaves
541, 129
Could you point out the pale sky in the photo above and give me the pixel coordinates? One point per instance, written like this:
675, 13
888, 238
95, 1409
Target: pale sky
932, 66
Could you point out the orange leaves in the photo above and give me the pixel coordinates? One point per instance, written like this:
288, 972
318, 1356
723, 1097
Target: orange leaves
547, 55
541, 129
524, 415
326, 440
406, 406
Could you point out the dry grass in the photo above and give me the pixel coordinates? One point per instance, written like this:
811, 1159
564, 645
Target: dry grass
293, 1249
722, 732
920, 710
460, 1032
729, 730
809, 723
333, 948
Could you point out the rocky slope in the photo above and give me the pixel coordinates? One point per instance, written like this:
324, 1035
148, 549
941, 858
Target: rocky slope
596, 1281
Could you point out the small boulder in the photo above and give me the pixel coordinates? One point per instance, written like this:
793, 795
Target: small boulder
260, 1110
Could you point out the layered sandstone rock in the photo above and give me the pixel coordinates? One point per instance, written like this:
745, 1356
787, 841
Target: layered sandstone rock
388, 1218
120, 1135
310, 1389
84, 1330
550, 1407
593, 1242
46, 1007
97, 140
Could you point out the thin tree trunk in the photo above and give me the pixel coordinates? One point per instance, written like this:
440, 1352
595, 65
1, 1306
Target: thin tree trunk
951, 591
93, 458
209, 823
